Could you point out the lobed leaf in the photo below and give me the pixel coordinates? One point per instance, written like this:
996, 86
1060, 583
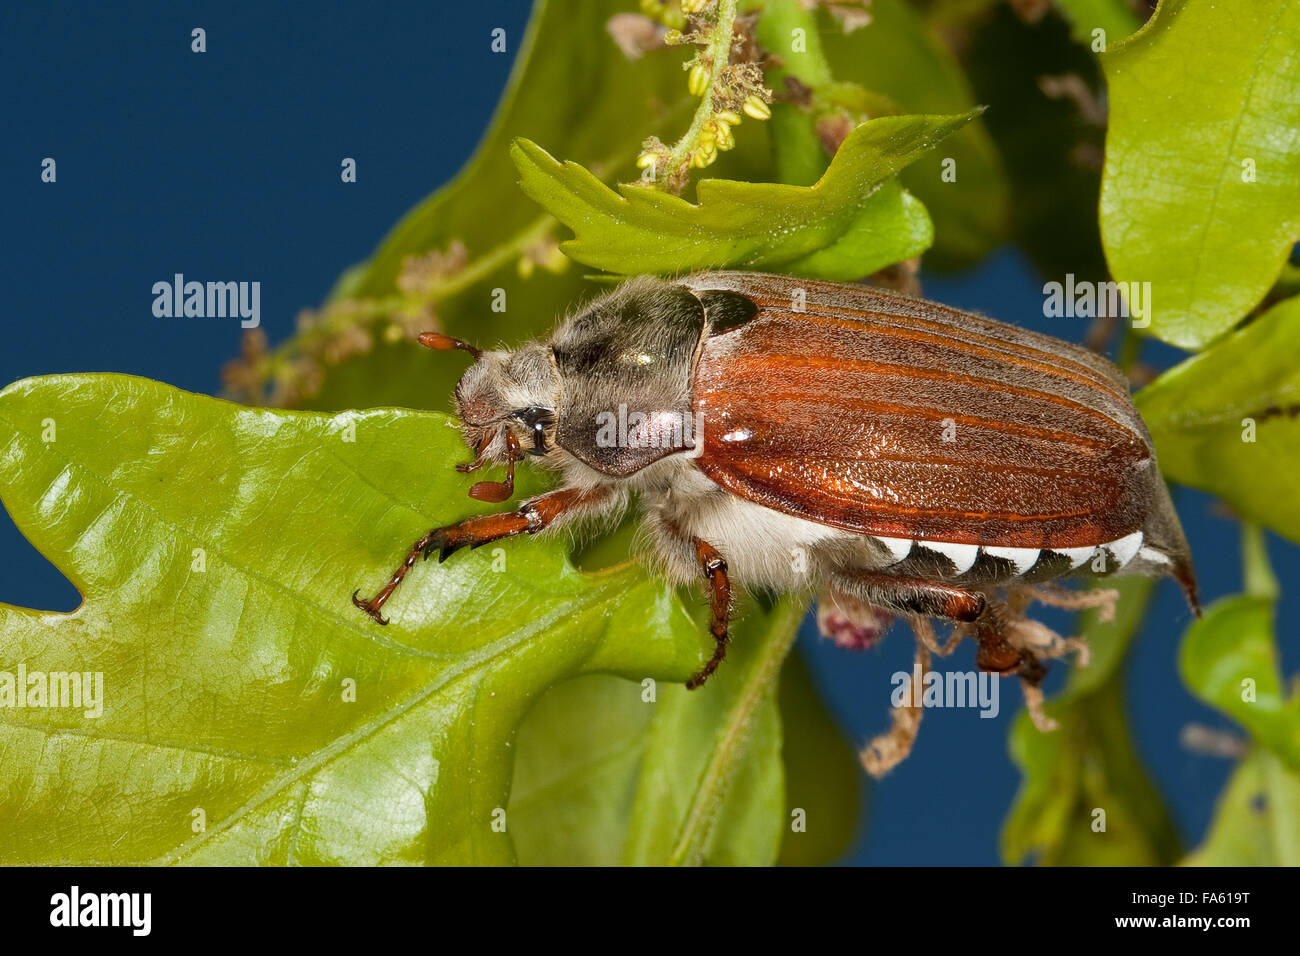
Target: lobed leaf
216, 548
850, 223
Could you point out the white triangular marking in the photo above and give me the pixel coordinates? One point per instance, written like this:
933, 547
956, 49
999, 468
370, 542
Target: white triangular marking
899, 548
962, 556
1124, 548
1154, 556
1022, 558
1077, 556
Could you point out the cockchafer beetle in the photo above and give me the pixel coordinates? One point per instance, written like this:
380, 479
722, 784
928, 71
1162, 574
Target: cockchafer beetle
791, 434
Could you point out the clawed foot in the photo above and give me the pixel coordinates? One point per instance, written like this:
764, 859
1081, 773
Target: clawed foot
370, 607
442, 540
719, 654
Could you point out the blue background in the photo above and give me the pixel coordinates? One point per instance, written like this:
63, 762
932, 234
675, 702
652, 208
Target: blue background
225, 165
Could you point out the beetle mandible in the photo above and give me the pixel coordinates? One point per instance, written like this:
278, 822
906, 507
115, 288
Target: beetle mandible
916, 457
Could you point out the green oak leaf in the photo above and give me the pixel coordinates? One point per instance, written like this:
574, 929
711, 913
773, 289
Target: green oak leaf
1201, 189
577, 779
710, 789
1115, 18
1229, 660
250, 714
1257, 821
1228, 420
854, 220
1089, 762
1229, 657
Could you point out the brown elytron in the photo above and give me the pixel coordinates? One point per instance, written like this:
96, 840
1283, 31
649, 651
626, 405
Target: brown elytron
838, 414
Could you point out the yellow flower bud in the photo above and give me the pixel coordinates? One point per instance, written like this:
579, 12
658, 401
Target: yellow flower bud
703, 155
698, 80
725, 139
692, 7
647, 159
728, 117
755, 107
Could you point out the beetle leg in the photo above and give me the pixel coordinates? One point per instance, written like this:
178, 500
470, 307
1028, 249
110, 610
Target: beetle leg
532, 516
715, 570
987, 619
887, 750
997, 653
913, 595
480, 456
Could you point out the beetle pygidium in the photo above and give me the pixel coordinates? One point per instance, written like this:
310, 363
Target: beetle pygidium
917, 458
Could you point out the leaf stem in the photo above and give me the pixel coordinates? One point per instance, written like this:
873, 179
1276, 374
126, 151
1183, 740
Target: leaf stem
719, 55
340, 317
1257, 574
800, 157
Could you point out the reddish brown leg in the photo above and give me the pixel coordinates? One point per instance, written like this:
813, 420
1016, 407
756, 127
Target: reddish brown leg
994, 652
531, 517
913, 595
715, 569
998, 655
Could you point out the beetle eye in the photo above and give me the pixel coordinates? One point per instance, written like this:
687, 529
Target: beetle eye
536, 419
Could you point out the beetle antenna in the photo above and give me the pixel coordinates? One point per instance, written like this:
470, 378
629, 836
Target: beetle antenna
445, 343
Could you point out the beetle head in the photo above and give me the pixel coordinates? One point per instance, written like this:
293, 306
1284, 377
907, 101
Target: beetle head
506, 403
